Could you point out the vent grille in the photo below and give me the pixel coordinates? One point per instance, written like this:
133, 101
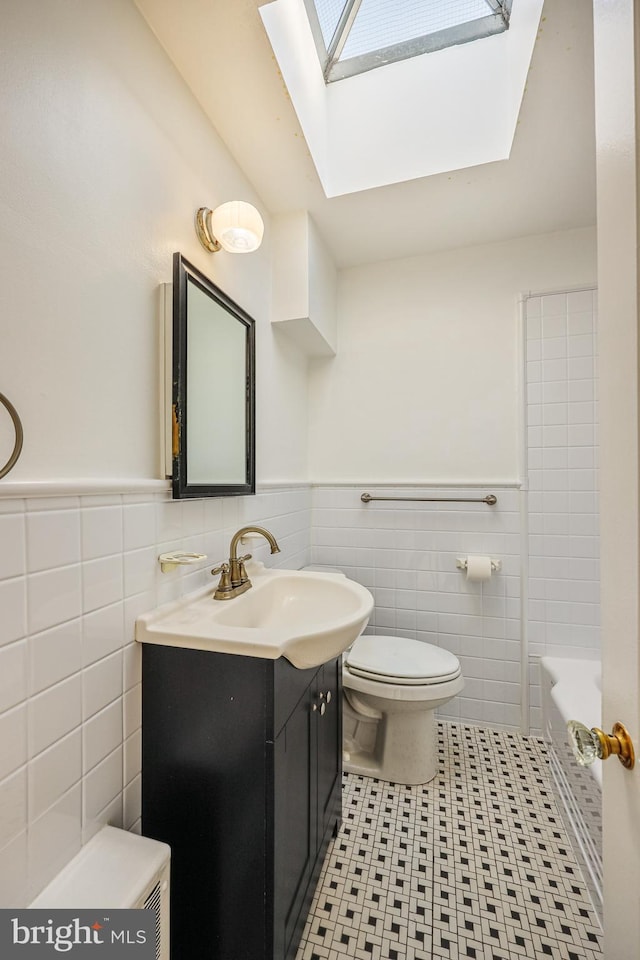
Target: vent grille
154, 902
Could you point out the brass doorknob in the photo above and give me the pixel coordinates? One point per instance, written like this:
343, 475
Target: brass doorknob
591, 745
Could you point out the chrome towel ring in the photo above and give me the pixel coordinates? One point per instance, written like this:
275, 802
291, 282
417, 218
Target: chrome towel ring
17, 448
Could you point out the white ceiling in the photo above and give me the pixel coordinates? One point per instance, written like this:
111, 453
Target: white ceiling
222, 51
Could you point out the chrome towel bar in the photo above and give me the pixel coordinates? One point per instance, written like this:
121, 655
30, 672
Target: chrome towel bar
490, 499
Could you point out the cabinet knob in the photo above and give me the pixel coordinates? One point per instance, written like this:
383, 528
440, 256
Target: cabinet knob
325, 696
323, 709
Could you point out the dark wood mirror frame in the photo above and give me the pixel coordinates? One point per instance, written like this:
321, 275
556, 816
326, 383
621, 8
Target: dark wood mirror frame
184, 274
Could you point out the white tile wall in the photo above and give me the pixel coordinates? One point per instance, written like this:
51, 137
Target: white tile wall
562, 453
75, 574
79, 570
13, 740
405, 553
54, 713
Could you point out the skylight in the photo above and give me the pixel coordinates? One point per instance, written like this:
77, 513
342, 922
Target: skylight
353, 36
423, 115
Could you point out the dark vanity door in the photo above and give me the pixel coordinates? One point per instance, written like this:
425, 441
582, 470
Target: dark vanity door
205, 789
329, 741
307, 801
294, 821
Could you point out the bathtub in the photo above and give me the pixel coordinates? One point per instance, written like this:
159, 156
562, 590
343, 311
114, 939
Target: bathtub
571, 690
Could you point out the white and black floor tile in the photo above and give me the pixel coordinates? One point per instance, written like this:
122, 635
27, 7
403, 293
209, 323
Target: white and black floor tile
474, 864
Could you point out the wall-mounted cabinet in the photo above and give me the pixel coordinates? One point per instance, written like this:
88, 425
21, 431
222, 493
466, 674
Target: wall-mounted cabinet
304, 285
241, 775
207, 388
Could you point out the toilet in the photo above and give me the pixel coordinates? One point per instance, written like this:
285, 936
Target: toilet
391, 688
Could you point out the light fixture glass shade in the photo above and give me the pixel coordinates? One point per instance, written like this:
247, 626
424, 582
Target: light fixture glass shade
237, 226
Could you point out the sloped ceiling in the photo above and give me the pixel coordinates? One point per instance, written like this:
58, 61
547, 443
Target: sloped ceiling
547, 184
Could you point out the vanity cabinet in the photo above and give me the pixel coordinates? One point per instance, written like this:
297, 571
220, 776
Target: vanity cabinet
241, 775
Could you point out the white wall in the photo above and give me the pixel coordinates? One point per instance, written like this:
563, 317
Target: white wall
425, 384
105, 157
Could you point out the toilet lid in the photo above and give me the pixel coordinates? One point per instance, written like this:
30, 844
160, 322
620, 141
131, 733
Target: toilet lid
393, 659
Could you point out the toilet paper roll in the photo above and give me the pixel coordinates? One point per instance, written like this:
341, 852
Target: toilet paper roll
478, 568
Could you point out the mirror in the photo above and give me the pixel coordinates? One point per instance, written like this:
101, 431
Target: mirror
213, 389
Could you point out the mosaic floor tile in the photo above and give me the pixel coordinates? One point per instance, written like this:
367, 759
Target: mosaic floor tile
474, 864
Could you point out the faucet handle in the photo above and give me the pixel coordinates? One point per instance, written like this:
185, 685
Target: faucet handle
247, 556
224, 588
225, 578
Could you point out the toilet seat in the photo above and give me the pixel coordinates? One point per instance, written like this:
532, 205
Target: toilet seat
400, 660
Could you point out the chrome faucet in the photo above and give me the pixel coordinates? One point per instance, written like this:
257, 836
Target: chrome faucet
233, 576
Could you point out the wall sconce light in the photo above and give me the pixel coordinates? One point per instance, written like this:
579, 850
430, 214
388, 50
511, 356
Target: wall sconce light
235, 226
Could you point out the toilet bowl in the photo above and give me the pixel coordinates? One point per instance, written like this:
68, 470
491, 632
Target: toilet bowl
391, 689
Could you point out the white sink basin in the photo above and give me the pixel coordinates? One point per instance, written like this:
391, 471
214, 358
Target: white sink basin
307, 617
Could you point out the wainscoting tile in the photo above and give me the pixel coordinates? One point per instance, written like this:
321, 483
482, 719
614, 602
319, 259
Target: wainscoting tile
76, 573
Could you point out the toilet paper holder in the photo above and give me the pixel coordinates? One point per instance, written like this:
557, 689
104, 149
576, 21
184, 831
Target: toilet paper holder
462, 562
